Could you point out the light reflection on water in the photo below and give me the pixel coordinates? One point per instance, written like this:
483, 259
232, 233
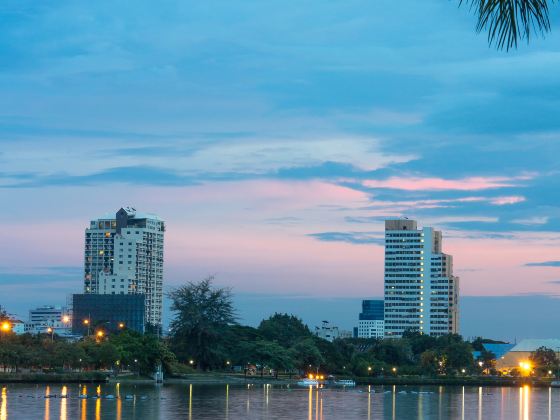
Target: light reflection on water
265, 401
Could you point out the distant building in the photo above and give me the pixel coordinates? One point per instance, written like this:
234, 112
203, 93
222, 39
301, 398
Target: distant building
421, 292
108, 312
520, 352
330, 332
18, 326
371, 320
44, 317
124, 255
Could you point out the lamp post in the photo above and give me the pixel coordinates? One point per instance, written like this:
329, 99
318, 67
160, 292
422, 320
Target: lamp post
87, 323
50, 330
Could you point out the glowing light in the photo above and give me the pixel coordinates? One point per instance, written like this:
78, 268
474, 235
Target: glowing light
86, 321
6, 326
66, 319
100, 334
310, 376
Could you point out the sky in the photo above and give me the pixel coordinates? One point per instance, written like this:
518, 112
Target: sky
274, 138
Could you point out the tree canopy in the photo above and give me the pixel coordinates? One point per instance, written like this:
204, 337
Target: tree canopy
202, 314
510, 21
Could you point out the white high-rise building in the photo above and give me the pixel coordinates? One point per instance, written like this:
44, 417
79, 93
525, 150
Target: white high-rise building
421, 292
124, 254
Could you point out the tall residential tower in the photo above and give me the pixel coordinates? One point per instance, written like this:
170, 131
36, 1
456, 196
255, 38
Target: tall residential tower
124, 255
421, 292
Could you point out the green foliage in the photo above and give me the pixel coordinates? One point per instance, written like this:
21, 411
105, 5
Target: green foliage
509, 21
285, 329
305, 354
544, 359
202, 317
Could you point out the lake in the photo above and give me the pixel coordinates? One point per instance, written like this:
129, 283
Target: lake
258, 401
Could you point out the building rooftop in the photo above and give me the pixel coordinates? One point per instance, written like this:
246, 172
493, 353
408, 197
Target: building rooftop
532, 344
131, 211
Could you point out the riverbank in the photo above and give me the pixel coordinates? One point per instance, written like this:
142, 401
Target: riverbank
456, 381
69, 377
216, 378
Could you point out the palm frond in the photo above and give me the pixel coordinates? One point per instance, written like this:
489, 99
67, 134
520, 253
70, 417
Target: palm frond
509, 21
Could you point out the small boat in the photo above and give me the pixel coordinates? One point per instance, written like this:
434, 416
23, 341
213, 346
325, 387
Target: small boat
308, 382
129, 397
109, 397
82, 396
345, 382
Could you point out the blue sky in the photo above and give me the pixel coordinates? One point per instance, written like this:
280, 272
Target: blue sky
274, 137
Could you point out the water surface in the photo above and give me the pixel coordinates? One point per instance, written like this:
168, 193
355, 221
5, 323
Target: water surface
258, 401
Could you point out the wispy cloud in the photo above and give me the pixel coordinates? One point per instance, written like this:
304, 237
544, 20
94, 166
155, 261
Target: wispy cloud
530, 221
544, 264
435, 184
359, 238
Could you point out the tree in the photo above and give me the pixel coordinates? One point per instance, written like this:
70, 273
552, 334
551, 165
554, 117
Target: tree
510, 21
202, 316
306, 353
285, 329
544, 359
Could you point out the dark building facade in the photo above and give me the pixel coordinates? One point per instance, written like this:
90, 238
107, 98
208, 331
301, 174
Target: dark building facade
109, 312
372, 310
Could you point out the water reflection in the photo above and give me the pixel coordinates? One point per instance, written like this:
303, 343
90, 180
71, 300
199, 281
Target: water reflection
463, 404
4, 405
227, 401
47, 403
264, 401
310, 404
526, 402
190, 402
63, 395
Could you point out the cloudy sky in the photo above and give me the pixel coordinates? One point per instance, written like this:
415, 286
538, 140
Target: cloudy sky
274, 138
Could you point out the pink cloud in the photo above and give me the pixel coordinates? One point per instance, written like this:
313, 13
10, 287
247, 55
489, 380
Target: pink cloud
433, 184
513, 199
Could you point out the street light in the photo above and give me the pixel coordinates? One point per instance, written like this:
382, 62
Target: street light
100, 334
6, 326
394, 370
121, 325
87, 324
66, 319
50, 330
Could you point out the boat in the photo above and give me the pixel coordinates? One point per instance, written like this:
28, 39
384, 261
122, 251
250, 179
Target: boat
345, 382
555, 384
308, 382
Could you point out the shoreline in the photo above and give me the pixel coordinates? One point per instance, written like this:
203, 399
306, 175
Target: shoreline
225, 379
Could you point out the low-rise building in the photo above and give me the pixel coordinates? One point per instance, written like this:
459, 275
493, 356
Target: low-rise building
371, 322
330, 332
109, 312
47, 316
519, 355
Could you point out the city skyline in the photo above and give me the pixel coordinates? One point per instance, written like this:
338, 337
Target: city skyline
274, 160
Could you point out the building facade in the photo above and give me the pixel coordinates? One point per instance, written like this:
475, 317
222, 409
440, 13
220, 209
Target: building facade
329, 332
44, 317
124, 255
421, 292
110, 312
371, 322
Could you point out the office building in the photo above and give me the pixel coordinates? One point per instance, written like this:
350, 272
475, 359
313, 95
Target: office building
421, 292
44, 317
124, 255
109, 312
330, 332
371, 320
